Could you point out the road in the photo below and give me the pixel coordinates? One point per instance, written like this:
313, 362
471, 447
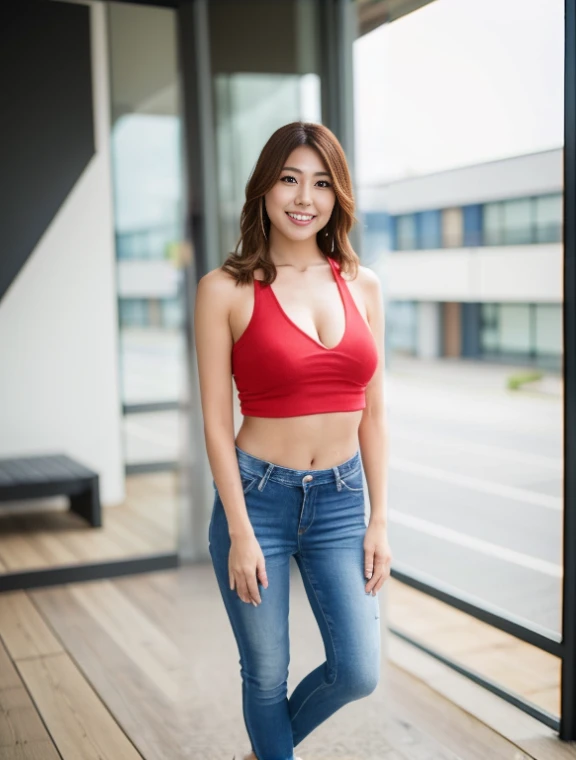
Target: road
475, 487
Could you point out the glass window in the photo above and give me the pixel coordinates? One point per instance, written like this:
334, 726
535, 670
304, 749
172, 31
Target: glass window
429, 229
472, 217
548, 339
489, 340
392, 229
133, 312
257, 90
517, 221
485, 182
548, 218
375, 235
492, 224
452, 228
148, 201
172, 313
401, 321
515, 328
406, 232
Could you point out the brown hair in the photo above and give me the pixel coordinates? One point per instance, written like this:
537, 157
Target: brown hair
254, 222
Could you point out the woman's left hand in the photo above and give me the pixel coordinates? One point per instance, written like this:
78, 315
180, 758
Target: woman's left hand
377, 557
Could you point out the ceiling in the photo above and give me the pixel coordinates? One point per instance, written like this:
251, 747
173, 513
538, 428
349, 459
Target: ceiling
374, 13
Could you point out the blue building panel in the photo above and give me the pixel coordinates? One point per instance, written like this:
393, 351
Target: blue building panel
376, 234
429, 229
472, 217
392, 232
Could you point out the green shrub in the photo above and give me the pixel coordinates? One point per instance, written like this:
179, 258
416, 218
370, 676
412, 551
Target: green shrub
520, 378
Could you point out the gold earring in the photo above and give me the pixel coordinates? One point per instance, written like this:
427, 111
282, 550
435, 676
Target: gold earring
262, 220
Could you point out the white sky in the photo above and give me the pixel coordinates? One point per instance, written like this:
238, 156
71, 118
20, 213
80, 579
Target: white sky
458, 82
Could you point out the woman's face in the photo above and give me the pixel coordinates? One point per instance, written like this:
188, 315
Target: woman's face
304, 188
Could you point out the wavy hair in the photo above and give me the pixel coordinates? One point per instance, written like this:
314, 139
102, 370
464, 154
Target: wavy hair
252, 249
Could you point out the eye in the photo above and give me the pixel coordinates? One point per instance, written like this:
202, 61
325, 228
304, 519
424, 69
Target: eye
290, 176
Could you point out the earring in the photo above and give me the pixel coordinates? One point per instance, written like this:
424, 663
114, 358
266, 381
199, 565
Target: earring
262, 220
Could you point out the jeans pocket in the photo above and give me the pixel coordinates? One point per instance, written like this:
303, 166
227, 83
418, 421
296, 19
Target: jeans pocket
353, 481
248, 482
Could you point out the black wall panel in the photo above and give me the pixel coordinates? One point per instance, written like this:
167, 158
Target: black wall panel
46, 120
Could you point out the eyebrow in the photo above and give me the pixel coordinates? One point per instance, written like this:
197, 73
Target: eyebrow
294, 169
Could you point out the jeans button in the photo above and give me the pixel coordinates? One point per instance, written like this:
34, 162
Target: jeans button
308, 478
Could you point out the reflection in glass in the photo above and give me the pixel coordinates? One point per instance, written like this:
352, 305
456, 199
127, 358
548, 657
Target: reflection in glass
249, 108
517, 221
548, 218
474, 339
147, 174
147, 194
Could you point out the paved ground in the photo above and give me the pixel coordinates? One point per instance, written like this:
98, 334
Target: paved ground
475, 483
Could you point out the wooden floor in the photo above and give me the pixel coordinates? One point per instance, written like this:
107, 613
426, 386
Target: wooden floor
44, 534
518, 667
146, 666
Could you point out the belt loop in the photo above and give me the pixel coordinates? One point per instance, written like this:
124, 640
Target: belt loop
337, 476
265, 477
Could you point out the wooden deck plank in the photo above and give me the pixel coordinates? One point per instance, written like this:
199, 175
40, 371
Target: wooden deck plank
524, 669
23, 630
23, 736
81, 726
148, 646
206, 721
41, 534
152, 721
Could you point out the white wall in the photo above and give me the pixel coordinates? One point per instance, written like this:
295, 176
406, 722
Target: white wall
516, 177
59, 383
521, 273
428, 330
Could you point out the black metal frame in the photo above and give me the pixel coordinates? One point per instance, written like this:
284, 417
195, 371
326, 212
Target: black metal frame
55, 576
548, 641
568, 696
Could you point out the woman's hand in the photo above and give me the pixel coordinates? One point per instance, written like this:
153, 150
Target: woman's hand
245, 566
377, 557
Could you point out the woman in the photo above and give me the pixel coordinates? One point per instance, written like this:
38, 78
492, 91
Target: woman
307, 358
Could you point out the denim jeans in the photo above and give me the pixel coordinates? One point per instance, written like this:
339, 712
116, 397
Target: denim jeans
321, 522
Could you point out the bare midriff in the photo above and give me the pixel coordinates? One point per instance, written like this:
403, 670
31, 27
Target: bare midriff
309, 442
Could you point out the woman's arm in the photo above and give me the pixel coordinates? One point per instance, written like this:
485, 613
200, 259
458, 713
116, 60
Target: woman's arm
214, 296
213, 350
373, 432
373, 440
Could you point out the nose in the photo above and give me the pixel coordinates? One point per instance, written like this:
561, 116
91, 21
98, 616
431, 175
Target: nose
304, 195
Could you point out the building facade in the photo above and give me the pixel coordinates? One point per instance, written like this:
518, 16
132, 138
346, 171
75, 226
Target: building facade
471, 260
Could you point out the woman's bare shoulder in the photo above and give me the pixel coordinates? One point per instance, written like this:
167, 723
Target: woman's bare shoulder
219, 286
367, 276
220, 278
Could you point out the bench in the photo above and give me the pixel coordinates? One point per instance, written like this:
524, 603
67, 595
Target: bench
54, 475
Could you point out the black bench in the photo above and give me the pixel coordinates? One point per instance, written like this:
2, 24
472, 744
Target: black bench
54, 475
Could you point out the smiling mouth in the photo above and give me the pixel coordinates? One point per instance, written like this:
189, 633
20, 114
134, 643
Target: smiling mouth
302, 218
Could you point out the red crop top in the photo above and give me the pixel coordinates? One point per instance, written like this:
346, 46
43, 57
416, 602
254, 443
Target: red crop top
281, 371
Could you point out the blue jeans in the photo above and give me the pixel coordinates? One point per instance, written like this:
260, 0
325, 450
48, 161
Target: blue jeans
321, 522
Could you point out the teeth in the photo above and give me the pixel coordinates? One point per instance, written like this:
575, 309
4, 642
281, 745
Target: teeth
301, 217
